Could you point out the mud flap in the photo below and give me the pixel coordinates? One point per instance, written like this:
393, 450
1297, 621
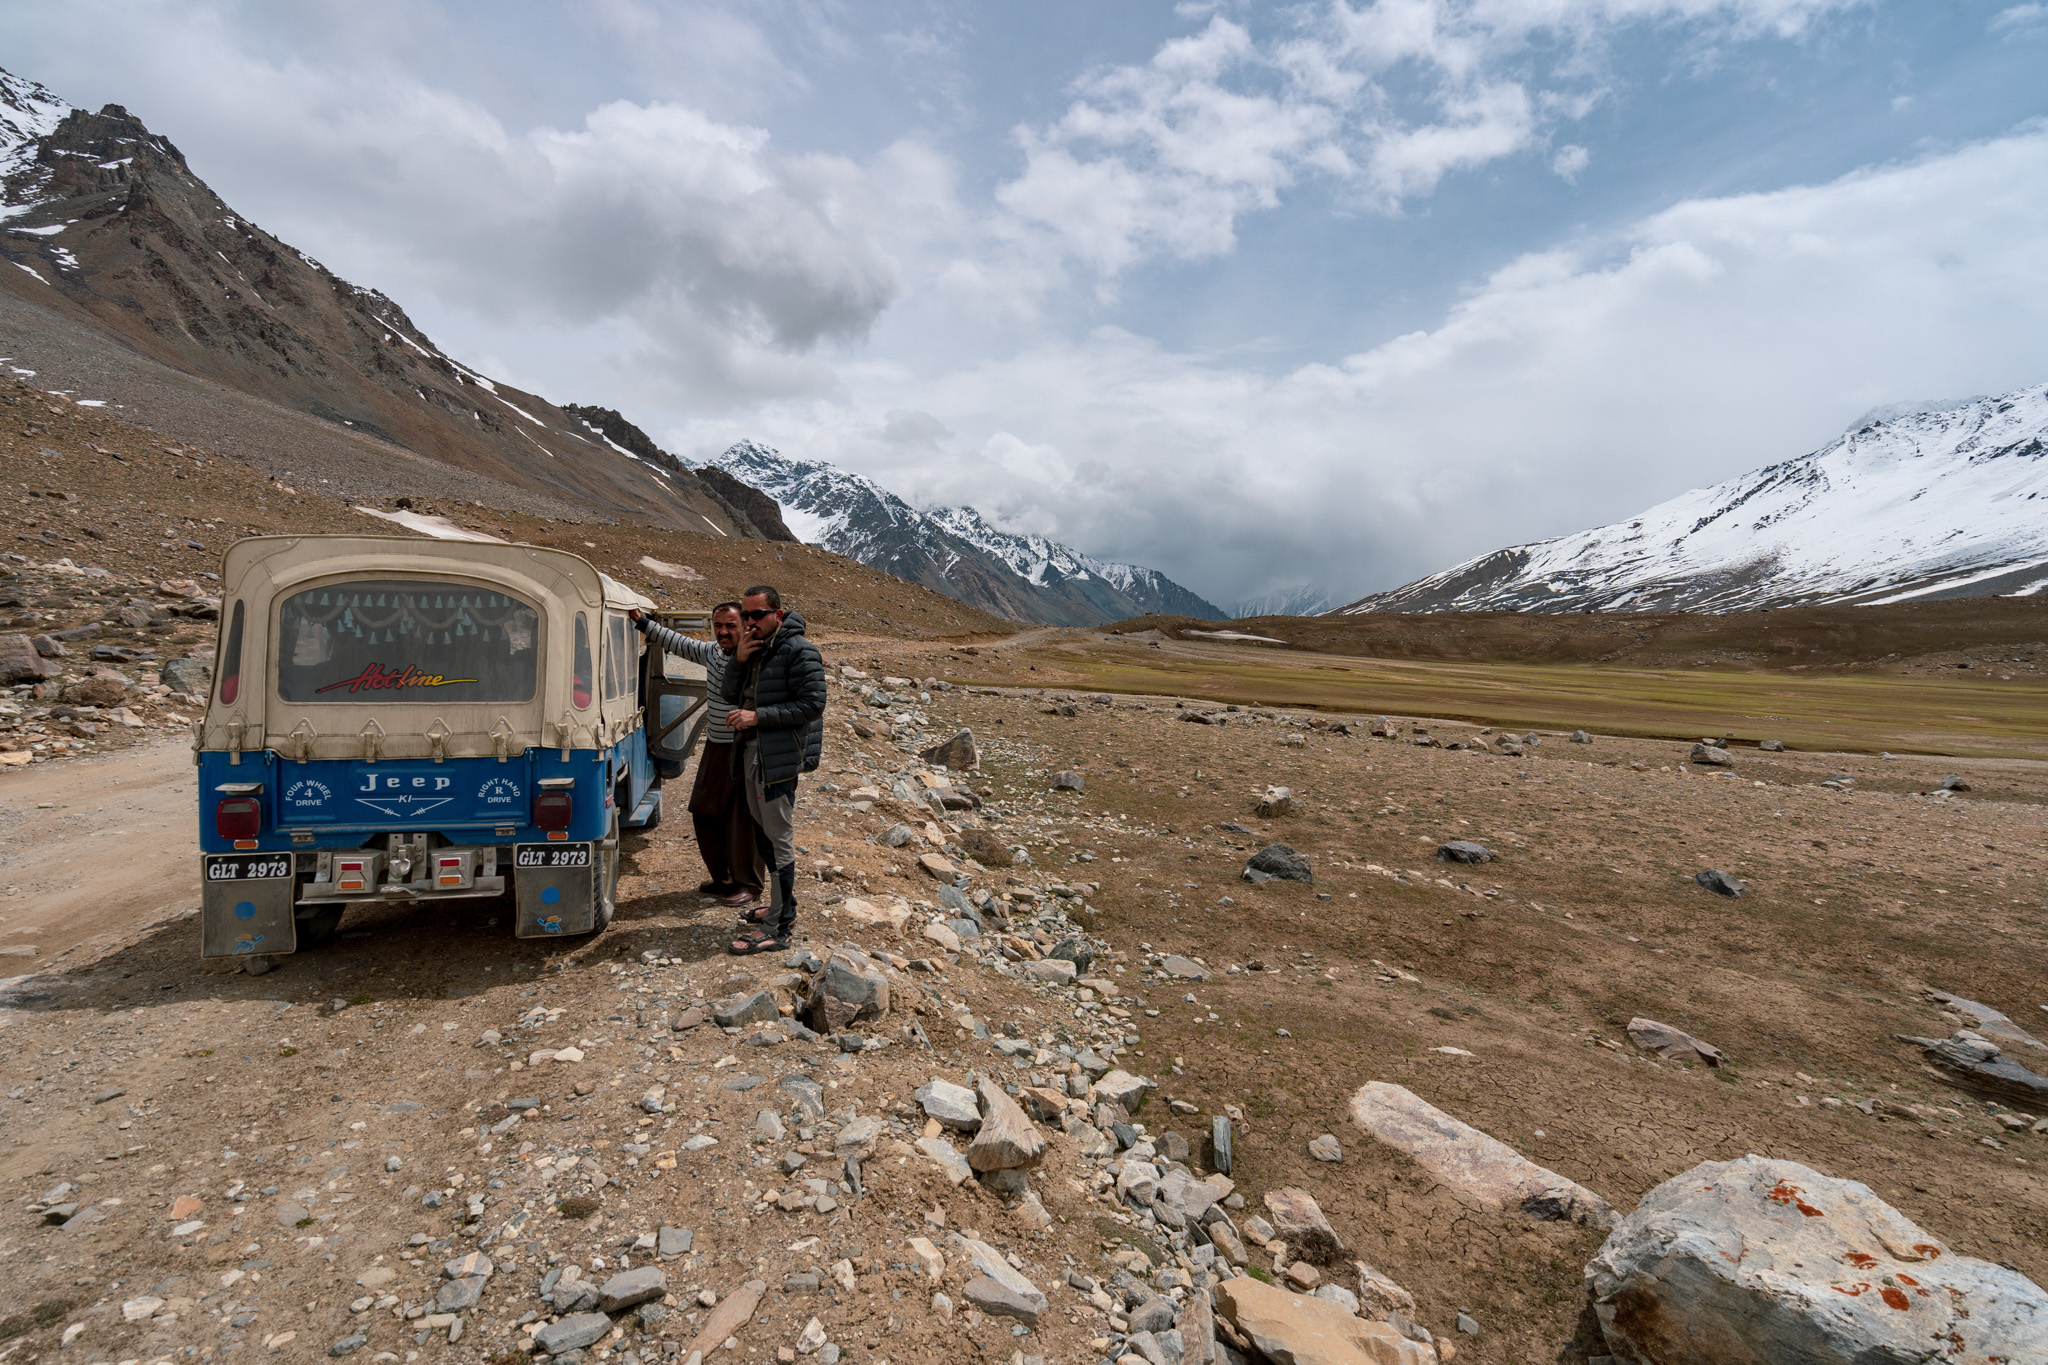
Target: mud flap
247, 918
555, 902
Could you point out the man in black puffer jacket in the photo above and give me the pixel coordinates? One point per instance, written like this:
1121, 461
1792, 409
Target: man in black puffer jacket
776, 685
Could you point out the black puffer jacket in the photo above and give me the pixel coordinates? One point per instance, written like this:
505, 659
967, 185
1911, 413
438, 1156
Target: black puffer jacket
790, 700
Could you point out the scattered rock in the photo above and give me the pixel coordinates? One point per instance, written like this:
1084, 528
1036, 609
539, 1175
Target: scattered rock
1712, 757
1300, 1223
848, 989
1054, 970
630, 1288
936, 865
1769, 1260
1379, 1297
1772, 746
1720, 883
732, 1313
1952, 783
193, 677
1276, 801
1219, 1142
946, 1157
741, 1010
897, 835
1124, 1090
1672, 1044
1490, 1173
1000, 1290
893, 916
673, 1241
575, 1331
953, 1105
1076, 950
1186, 969
21, 662
986, 849
1006, 1140
1300, 1329
958, 753
1972, 1061
1463, 851
1581, 737
1277, 862
1068, 780
1325, 1148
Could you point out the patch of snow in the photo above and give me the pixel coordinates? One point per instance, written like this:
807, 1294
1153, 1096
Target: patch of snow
667, 570
90, 402
49, 231
1233, 635
440, 528
31, 270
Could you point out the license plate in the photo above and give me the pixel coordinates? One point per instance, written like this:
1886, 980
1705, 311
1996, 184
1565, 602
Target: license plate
248, 867
552, 855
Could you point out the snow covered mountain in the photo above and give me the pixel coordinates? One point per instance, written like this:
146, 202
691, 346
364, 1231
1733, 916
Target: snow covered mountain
954, 549
1947, 501
1303, 599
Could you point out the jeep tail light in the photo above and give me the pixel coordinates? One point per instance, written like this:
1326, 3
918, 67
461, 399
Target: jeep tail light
551, 810
238, 817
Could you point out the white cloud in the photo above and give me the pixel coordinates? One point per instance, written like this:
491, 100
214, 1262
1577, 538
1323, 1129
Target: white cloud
1570, 162
1380, 101
1573, 386
2019, 17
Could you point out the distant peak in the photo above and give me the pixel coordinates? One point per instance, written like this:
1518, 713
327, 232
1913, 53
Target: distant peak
1892, 412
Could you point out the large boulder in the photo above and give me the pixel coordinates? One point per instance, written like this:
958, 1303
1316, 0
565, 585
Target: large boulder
1758, 1262
848, 989
1300, 1329
1710, 756
1485, 1171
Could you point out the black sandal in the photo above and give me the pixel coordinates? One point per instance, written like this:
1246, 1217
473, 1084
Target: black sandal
758, 915
760, 941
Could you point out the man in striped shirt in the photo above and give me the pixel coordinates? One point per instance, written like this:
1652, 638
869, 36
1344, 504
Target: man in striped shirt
718, 807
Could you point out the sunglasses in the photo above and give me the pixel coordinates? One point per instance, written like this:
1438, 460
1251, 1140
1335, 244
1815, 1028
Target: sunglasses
757, 615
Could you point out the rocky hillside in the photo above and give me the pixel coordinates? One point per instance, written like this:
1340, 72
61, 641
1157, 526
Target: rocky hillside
954, 549
122, 256
1912, 505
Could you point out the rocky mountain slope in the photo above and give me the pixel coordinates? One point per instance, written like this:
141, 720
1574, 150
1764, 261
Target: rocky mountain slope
1920, 505
130, 274
954, 549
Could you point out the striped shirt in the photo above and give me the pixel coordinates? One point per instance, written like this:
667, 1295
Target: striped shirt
713, 660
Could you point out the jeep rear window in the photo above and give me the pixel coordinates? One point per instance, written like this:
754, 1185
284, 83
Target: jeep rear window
404, 640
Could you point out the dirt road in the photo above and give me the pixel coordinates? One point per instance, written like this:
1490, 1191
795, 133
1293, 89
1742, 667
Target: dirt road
93, 852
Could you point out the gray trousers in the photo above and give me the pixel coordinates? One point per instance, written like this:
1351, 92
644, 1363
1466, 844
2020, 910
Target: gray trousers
775, 822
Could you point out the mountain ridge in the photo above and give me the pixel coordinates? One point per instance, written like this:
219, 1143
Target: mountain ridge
113, 236
955, 550
1937, 501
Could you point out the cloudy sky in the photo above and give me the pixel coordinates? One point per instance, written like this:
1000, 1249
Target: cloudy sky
1338, 292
